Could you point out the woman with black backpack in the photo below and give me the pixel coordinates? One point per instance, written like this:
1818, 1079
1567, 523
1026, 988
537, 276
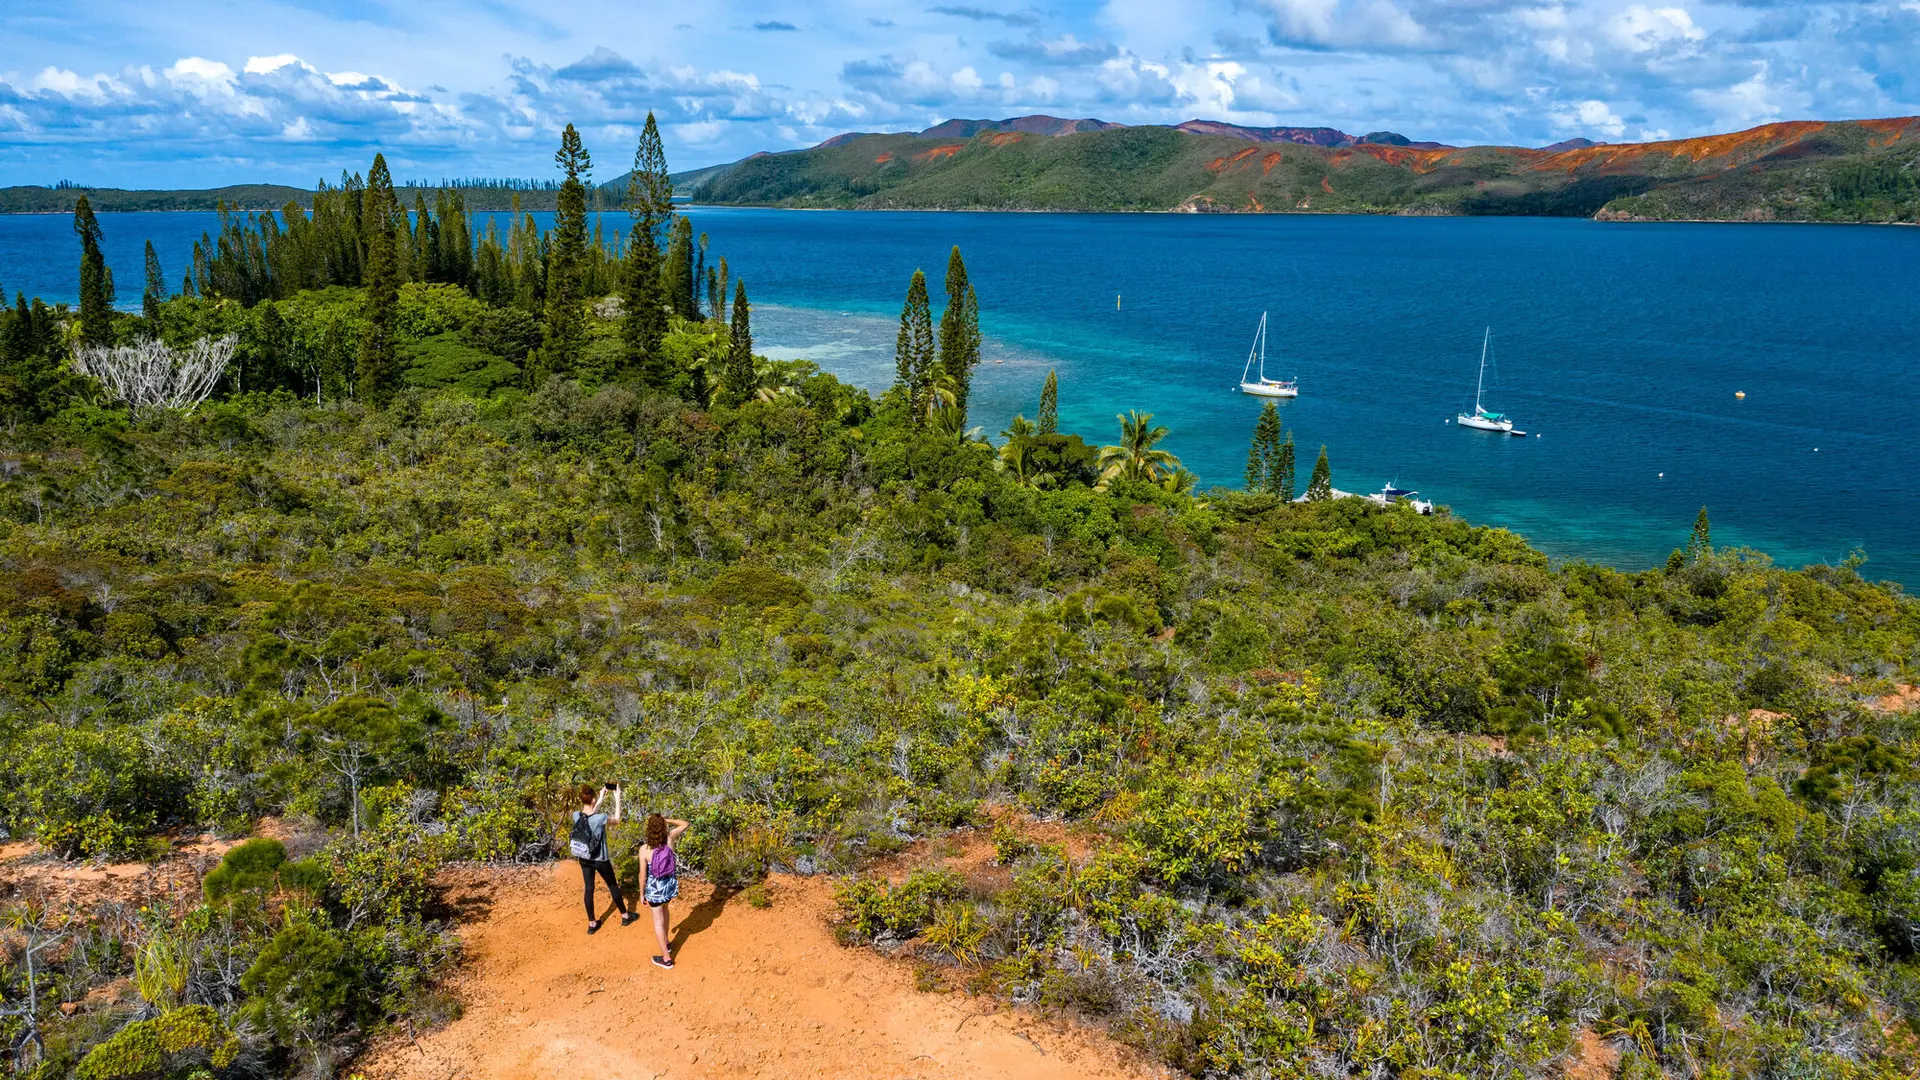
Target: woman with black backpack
662, 868
588, 843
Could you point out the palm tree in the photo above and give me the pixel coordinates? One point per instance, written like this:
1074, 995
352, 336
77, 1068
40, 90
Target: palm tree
769, 383
951, 422
1017, 458
1180, 481
1135, 457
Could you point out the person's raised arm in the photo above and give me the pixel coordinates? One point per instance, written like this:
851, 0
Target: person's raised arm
597, 800
616, 819
674, 828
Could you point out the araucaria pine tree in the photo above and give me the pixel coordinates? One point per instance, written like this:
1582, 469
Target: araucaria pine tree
1264, 454
1280, 477
96, 281
1320, 487
1700, 544
378, 370
913, 357
1050, 404
650, 202
565, 332
680, 292
959, 331
737, 383
155, 293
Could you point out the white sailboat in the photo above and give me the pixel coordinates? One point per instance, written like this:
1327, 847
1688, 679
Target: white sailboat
1480, 418
1261, 385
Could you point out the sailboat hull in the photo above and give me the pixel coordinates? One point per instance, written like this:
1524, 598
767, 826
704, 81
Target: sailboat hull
1483, 424
1269, 389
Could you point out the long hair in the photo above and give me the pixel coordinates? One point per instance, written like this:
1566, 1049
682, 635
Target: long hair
587, 794
656, 831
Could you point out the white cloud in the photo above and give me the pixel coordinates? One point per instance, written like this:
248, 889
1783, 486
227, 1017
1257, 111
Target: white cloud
1588, 118
195, 67
1640, 29
1747, 103
264, 65
1343, 24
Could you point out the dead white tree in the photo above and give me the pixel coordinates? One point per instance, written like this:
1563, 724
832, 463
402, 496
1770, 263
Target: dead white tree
155, 375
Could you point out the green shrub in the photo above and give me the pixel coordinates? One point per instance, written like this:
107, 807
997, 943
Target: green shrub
297, 988
445, 362
956, 931
869, 907
259, 865
1009, 845
90, 793
167, 1045
250, 865
755, 587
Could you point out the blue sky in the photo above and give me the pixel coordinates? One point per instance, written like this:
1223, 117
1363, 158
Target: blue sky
163, 94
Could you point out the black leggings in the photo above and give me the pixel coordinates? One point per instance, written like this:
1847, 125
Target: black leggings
605, 869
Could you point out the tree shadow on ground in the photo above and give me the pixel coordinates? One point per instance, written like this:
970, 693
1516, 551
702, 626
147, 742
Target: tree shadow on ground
702, 915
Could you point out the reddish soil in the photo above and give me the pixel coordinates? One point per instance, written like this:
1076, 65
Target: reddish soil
939, 152
1005, 138
757, 992
1420, 161
1903, 699
1596, 1059
26, 871
1221, 164
885, 156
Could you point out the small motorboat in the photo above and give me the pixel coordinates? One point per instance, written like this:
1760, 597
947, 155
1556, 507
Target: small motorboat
1388, 495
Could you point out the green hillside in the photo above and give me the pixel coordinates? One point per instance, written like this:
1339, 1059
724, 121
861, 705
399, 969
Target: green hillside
1361, 792
29, 199
1801, 171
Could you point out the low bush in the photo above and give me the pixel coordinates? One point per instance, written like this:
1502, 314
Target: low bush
870, 908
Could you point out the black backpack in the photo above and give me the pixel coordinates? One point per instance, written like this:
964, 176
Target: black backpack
581, 840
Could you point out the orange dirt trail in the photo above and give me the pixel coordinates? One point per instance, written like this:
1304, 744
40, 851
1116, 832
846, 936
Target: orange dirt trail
755, 993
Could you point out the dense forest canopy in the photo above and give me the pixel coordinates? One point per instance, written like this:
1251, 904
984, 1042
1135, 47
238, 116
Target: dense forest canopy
461, 521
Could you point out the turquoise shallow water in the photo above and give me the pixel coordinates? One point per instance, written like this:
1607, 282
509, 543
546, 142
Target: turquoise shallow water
1621, 346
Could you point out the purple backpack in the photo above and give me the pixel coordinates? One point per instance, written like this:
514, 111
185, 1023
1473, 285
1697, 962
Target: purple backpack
663, 864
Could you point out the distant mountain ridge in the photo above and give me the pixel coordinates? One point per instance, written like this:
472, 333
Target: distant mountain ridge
1055, 127
1802, 170
1812, 170
1028, 125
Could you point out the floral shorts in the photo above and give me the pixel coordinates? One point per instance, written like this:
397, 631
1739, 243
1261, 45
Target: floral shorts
659, 890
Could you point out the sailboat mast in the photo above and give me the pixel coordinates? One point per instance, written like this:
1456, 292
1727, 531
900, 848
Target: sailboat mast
1482, 381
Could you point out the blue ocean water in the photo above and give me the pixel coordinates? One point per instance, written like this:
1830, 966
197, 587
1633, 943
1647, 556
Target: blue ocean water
1620, 347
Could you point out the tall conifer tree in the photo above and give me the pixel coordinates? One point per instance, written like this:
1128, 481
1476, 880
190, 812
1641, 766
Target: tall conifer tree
1050, 404
737, 383
680, 292
426, 253
378, 371
1281, 477
155, 293
1264, 455
650, 202
1700, 544
1320, 487
913, 356
96, 281
566, 326
959, 330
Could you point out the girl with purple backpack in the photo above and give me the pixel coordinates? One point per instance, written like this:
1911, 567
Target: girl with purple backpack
662, 871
